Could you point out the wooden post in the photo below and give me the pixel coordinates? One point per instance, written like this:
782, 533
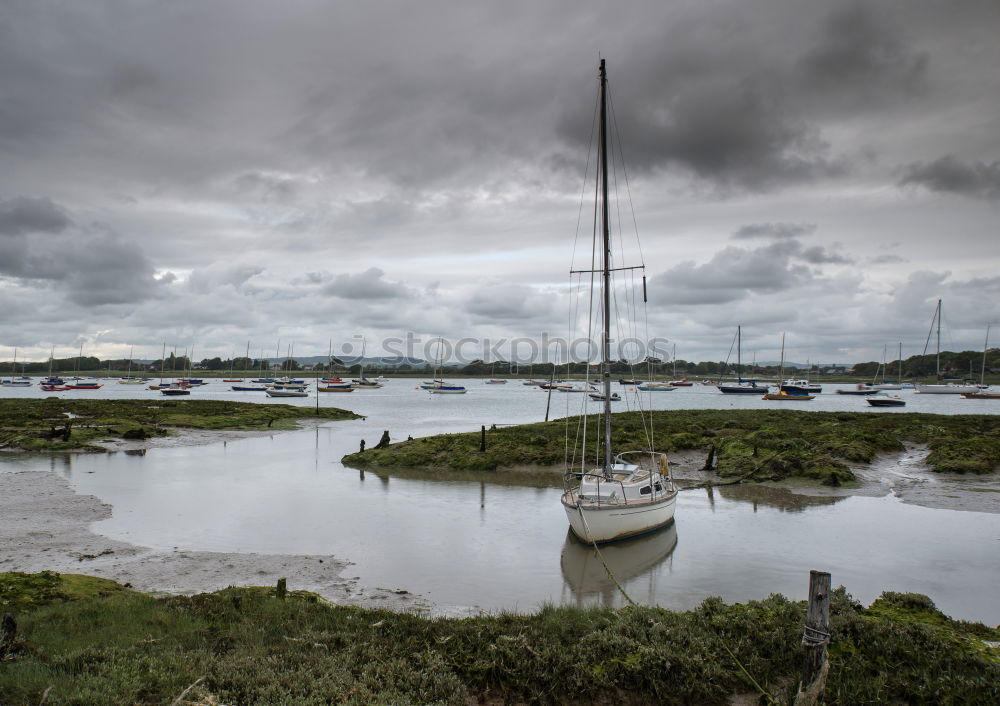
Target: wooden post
815, 638
281, 590
710, 461
8, 631
482, 439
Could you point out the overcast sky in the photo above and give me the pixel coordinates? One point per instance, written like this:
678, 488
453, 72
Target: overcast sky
207, 173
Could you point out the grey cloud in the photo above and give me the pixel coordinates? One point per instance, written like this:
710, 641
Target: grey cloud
887, 259
817, 255
26, 215
734, 273
268, 187
778, 231
109, 272
507, 304
210, 279
859, 57
365, 285
948, 174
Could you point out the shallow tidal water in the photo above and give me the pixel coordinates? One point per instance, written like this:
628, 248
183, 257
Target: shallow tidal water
472, 546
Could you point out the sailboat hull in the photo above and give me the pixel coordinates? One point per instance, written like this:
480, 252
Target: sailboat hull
946, 389
612, 523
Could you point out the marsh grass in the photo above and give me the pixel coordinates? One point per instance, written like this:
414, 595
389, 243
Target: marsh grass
756, 445
42, 425
253, 648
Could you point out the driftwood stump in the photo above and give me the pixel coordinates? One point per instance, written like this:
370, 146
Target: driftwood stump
384, 441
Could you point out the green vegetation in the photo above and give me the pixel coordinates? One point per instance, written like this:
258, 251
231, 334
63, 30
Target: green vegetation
54, 424
757, 445
244, 645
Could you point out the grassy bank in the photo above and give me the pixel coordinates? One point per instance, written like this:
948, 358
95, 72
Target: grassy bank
80, 644
754, 445
54, 424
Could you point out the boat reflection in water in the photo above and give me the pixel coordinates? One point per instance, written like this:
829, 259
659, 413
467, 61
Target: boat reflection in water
633, 562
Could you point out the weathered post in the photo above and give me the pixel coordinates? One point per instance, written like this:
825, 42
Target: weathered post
815, 638
710, 461
8, 631
281, 590
362, 446
482, 438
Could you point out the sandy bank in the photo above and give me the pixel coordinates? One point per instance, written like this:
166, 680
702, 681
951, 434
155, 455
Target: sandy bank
45, 526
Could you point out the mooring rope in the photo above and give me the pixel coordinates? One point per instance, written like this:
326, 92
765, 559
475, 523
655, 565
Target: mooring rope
600, 556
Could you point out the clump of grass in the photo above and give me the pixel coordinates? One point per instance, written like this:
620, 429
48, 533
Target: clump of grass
44, 425
250, 647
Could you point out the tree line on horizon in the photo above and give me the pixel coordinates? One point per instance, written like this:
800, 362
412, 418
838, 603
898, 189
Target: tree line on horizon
953, 364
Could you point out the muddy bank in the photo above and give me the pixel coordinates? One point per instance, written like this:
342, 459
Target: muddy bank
46, 527
905, 475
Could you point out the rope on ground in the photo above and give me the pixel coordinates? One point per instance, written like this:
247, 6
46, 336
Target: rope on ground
762, 690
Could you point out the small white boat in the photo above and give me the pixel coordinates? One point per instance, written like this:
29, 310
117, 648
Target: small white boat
885, 401
629, 501
572, 388
859, 389
949, 388
656, 387
275, 392
600, 397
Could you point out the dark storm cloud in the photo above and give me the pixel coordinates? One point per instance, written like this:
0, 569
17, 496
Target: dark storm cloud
365, 285
859, 56
979, 180
25, 215
734, 130
777, 231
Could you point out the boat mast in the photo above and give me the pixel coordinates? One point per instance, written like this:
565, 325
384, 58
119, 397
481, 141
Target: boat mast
606, 273
739, 362
982, 373
937, 358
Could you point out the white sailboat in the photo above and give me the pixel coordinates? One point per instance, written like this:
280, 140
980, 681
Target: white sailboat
949, 388
626, 494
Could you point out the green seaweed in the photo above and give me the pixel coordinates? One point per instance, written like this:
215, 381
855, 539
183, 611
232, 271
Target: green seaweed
53, 424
